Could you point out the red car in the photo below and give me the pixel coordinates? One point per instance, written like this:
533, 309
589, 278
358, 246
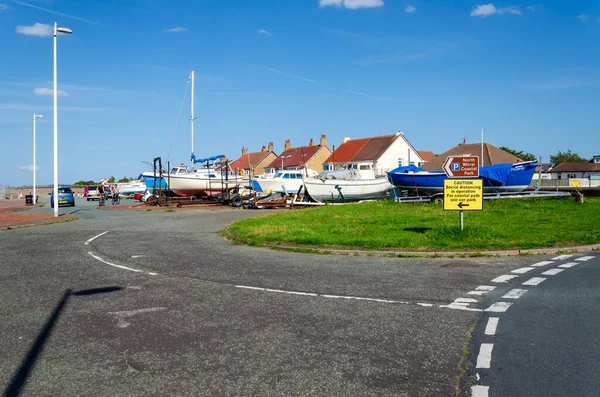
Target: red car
138, 196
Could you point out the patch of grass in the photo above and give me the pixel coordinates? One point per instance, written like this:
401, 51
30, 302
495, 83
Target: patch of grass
503, 224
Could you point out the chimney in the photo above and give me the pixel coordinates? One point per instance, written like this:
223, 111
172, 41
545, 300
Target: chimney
323, 141
271, 147
464, 140
346, 139
287, 145
312, 142
263, 149
244, 151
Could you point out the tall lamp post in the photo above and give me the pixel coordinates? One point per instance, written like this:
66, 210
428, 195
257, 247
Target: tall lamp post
35, 116
67, 31
483, 129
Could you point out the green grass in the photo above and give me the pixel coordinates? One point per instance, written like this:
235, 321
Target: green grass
383, 225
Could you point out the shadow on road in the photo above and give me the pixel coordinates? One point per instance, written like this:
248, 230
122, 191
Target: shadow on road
21, 375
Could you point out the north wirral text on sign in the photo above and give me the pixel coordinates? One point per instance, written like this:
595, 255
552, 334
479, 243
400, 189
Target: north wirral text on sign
463, 195
462, 167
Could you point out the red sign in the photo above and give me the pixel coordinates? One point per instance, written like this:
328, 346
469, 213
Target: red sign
462, 167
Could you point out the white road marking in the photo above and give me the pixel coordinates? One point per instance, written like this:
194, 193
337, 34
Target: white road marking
534, 281
514, 293
585, 258
499, 307
543, 263
504, 278
492, 324
482, 290
480, 391
95, 237
137, 256
523, 270
153, 274
568, 265
484, 359
121, 323
112, 264
561, 257
552, 272
425, 304
462, 304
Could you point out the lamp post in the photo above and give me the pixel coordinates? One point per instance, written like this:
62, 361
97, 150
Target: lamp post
67, 31
35, 116
483, 129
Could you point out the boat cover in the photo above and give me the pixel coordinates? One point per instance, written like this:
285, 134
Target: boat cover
497, 173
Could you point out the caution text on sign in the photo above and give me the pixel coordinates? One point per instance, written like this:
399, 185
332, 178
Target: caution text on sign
463, 195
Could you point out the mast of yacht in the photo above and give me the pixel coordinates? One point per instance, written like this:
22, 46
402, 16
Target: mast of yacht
192, 118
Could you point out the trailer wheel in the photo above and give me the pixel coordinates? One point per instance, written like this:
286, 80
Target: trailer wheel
151, 200
437, 200
236, 201
162, 201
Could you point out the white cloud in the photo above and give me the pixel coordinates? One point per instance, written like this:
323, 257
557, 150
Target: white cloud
534, 8
265, 32
38, 29
29, 167
486, 10
3, 6
48, 91
177, 29
583, 17
410, 9
352, 4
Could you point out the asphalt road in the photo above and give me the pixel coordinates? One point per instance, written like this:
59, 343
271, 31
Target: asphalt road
160, 304
546, 343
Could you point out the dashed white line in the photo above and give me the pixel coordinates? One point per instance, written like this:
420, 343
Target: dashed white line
95, 237
585, 258
504, 278
552, 272
514, 293
492, 324
499, 307
484, 359
561, 257
568, 265
542, 263
482, 290
480, 391
462, 304
115, 265
534, 281
523, 270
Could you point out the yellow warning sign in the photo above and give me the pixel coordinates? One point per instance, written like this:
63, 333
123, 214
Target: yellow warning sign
463, 195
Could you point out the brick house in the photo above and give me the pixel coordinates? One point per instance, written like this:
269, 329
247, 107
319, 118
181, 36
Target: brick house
294, 158
254, 163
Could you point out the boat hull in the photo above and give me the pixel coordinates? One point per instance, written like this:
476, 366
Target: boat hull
497, 178
326, 190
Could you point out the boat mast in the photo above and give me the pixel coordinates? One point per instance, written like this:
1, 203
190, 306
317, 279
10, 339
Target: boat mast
192, 118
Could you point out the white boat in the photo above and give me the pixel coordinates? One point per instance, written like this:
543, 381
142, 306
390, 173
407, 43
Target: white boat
357, 182
286, 181
131, 187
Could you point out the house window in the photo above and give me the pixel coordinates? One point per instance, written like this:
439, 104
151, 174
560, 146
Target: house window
400, 162
571, 176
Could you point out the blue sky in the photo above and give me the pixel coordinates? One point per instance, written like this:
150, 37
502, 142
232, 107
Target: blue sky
273, 70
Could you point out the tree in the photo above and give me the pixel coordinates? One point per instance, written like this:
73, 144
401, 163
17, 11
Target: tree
523, 156
123, 180
567, 157
111, 179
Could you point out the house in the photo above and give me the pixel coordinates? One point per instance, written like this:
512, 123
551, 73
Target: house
542, 171
589, 170
296, 158
426, 155
254, 163
491, 155
384, 152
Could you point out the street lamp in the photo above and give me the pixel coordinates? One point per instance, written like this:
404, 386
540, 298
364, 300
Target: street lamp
483, 129
67, 31
35, 116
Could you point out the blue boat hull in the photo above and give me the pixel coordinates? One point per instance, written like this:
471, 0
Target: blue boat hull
496, 178
159, 184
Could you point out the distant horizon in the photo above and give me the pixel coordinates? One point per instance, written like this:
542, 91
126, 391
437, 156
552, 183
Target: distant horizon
272, 71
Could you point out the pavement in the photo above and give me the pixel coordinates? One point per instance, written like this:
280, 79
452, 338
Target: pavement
14, 213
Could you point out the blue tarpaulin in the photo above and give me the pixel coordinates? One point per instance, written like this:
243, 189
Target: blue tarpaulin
213, 158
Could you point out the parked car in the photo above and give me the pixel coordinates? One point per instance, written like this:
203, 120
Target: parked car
65, 197
90, 193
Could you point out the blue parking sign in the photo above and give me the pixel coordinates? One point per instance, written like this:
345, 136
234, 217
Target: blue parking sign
455, 166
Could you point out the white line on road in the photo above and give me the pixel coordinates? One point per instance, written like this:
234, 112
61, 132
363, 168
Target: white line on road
479, 391
552, 272
504, 278
482, 290
534, 281
492, 324
484, 359
568, 265
523, 270
462, 304
585, 258
95, 237
514, 293
561, 257
543, 263
499, 307
112, 264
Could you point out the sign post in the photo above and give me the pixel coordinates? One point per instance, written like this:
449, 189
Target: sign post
462, 194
